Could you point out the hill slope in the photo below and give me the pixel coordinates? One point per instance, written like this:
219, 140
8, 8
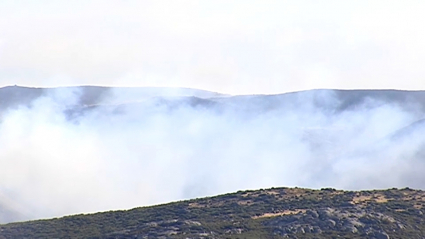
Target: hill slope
271, 213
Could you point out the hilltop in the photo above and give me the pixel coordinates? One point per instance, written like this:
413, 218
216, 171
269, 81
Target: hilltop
269, 213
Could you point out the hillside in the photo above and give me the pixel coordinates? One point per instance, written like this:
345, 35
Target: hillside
270, 213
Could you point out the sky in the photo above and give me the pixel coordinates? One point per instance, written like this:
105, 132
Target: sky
232, 47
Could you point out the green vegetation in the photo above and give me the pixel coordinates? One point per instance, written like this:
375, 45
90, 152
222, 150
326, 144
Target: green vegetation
271, 213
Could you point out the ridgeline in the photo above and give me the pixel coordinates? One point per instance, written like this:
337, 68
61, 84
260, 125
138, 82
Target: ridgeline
270, 213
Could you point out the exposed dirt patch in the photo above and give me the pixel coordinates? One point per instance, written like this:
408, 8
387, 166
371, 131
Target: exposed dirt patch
276, 214
379, 198
196, 205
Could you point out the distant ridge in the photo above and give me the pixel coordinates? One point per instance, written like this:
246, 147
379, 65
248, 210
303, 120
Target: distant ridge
339, 100
12, 96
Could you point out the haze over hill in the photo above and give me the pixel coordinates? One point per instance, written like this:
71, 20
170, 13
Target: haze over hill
85, 149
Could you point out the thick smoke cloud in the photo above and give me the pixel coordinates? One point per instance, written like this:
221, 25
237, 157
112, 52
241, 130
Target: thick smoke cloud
72, 152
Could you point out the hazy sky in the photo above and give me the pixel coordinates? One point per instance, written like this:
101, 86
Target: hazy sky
236, 47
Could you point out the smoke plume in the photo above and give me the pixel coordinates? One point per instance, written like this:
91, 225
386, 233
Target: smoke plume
87, 149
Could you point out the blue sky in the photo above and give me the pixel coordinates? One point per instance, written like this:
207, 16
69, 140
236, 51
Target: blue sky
235, 47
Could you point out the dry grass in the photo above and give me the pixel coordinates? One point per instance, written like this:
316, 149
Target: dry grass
379, 198
276, 214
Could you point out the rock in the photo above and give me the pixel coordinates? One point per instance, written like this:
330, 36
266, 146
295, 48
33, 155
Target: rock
313, 213
381, 235
331, 223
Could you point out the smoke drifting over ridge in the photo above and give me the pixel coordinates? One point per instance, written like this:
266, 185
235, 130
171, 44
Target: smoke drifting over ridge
86, 149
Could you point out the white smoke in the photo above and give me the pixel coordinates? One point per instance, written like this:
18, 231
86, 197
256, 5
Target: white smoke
59, 156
